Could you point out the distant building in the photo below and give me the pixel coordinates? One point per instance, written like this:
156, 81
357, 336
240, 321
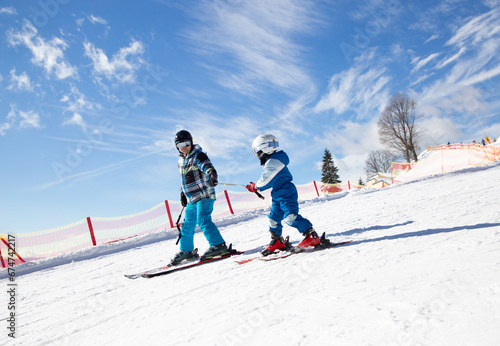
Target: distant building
379, 180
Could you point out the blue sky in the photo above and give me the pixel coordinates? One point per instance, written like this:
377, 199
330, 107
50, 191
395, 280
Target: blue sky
93, 92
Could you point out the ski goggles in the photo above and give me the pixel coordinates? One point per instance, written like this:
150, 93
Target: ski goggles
262, 146
183, 144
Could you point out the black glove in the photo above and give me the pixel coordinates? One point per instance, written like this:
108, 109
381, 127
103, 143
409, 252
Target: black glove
213, 178
184, 200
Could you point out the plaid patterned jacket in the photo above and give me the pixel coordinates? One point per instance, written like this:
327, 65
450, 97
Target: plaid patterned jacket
195, 170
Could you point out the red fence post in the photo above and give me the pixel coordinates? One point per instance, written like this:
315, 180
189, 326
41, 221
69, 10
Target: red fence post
14, 251
1, 258
349, 184
91, 230
169, 215
228, 202
316, 187
442, 161
392, 171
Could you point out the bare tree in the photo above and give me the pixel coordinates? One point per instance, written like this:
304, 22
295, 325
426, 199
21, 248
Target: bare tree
378, 161
397, 126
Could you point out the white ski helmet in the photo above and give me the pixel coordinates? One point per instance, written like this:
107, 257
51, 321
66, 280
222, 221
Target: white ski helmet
264, 144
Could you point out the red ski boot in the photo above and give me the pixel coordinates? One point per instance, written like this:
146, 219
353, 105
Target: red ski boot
277, 243
311, 238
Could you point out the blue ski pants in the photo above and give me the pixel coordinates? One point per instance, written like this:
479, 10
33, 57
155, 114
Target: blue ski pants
285, 207
199, 213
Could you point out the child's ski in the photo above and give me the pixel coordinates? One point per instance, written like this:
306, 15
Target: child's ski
294, 250
167, 269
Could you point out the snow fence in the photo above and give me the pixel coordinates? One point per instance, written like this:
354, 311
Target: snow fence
444, 158
95, 231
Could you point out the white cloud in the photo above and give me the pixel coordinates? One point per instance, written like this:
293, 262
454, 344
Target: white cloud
4, 127
433, 37
429, 18
8, 10
89, 174
29, 119
93, 19
465, 89
47, 54
76, 120
20, 119
482, 76
443, 98
419, 63
451, 59
77, 101
20, 82
396, 50
363, 88
122, 66
438, 130
253, 43
218, 136
354, 141
492, 3
289, 119
422, 78
477, 29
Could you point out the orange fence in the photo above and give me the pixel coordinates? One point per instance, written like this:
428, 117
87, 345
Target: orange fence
93, 231
444, 158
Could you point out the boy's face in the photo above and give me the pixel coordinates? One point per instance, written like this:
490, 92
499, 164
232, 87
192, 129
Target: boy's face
185, 150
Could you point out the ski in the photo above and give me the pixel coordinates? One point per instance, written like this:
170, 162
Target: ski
325, 244
159, 269
273, 255
167, 269
296, 250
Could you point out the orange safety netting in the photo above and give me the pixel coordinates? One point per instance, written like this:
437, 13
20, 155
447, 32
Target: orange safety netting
400, 167
325, 189
445, 158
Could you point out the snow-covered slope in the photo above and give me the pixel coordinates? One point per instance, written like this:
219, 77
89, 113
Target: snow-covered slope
423, 269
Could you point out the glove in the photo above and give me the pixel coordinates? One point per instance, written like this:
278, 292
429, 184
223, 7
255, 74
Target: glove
251, 187
184, 200
213, 178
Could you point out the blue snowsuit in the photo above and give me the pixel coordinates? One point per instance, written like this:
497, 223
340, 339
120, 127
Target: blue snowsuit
285, 206
195, 169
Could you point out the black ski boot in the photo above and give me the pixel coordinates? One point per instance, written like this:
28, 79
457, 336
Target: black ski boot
181, 256
215, 250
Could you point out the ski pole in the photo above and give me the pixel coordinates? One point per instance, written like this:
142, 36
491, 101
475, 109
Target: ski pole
178, 228
232, 184
256, 192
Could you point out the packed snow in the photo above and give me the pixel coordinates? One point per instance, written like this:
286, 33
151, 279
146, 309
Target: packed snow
423, 268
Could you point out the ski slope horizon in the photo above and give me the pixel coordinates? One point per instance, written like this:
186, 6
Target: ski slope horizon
423, 268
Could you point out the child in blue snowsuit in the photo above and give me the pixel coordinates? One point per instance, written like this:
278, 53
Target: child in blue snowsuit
199, 178
285, 206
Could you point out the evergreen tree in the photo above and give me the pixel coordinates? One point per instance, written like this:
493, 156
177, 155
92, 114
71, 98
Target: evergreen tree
329, 173
360, 182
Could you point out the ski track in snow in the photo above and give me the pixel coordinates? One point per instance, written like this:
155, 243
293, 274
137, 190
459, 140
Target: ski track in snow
423, 269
